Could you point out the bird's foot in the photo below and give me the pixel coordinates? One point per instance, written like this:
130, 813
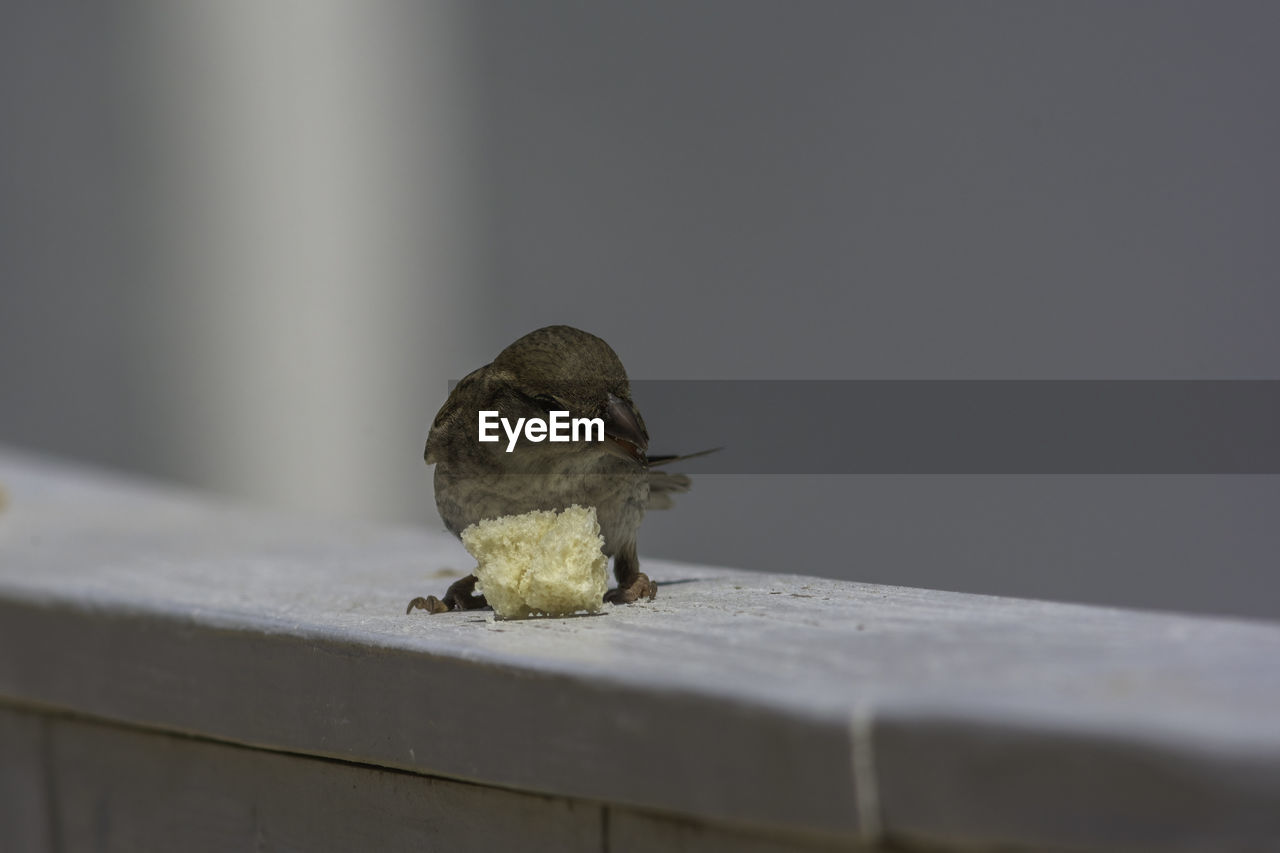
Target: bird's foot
460, 596
640, 587
431, 604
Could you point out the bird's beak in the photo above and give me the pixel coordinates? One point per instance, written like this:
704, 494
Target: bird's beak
622, 428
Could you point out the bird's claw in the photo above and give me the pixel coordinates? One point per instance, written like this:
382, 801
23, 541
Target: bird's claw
431, 604
460, 596
640, 587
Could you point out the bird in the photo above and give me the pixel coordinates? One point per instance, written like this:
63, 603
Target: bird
554, 368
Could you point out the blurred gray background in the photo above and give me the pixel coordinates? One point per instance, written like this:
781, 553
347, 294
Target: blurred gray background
245, 246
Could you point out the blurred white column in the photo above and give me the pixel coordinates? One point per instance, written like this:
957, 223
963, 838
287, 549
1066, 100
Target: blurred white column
314, 232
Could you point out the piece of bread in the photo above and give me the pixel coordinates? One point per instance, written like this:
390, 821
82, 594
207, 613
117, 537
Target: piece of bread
540, 563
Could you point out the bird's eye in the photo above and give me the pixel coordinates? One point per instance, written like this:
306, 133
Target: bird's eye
548, 401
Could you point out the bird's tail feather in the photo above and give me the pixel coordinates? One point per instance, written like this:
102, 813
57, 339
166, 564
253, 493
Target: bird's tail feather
658, 461
664, 486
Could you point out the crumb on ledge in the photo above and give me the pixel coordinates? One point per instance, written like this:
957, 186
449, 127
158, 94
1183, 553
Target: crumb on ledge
540, 563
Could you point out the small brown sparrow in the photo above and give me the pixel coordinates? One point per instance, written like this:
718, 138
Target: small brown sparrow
556, 368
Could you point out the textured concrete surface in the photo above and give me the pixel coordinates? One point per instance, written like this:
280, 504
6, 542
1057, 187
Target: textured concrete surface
632, 832
24, 782
129, 791
772, 703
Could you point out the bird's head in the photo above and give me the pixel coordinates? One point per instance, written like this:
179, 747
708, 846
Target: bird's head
567, 369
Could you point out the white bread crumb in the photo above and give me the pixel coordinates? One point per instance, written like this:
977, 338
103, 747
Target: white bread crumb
540, 563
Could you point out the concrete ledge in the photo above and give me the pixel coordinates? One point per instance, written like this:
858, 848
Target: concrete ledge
781, 708
112, 788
